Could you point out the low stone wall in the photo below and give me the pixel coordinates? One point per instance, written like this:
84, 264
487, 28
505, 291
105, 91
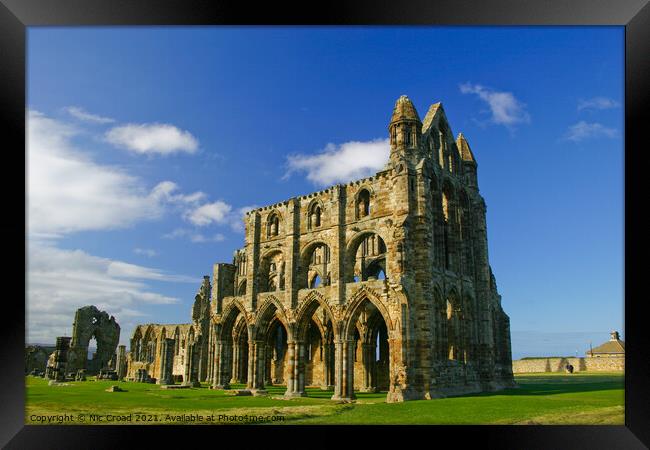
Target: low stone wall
596, 364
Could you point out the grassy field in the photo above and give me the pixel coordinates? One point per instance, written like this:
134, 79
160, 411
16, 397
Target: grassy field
595, 398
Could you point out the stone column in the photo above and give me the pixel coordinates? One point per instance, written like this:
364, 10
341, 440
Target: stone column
235, 362
259, 366
243, 368
221, 379
348, 369
291, 360
167, 362
328, 353
215, 363
296, 383
189, 353
268, 354
210, 360
250, 383
367, 361
191, 376
344, 367
57, 371
121, 362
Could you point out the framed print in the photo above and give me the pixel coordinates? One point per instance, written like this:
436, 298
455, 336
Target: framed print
411, 216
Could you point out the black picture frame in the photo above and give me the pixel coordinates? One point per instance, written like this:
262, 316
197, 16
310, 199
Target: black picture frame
16, 15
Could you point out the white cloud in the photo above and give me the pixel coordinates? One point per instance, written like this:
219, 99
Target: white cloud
145, 252
583, 130
152, 138
341, 163
597, 103
166, 191
194, 236
208, 213
61, 281
81, 114
505, 109
69, 192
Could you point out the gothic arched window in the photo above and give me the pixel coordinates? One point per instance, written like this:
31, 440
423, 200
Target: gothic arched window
315, 216
273, 225
363, 204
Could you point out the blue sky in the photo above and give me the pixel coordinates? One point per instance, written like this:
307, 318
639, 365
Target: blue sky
146, 143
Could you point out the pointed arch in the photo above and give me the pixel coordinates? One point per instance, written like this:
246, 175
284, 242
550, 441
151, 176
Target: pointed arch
239, 327
272, 307
353, 309
306, 311
228, 318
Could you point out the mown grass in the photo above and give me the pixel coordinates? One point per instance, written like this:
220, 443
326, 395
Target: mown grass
595, 398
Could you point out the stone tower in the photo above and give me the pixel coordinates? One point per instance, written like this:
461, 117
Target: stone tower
382, 283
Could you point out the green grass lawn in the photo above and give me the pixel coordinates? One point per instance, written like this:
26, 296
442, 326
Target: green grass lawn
595, 398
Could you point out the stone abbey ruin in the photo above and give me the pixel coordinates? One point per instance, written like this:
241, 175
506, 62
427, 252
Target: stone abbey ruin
69, 358
382, 284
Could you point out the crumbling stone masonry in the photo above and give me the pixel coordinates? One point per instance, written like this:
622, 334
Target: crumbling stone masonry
57, 364
90, 322
383, 283
120, 365
167, 362
36, 357
190, 350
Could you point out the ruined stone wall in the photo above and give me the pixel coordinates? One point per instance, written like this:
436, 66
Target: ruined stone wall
152, 336
597, 364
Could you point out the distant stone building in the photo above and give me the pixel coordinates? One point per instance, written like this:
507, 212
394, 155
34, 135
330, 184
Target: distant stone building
612, 348
609, 357
383, 283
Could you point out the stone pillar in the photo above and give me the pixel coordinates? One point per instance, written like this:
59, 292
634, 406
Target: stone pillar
189, 353
296, 355
235, 363
121, 362
259, 365
250, 383
291, 360
191, 376
344, 368
210, 362
56, 371
215, 363
348, 369
221, 378
328, 354
243, 361
268, 354
367, 361
167, 362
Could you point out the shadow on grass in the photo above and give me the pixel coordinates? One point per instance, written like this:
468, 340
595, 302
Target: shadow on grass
278, 390
527, 385
552, 385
